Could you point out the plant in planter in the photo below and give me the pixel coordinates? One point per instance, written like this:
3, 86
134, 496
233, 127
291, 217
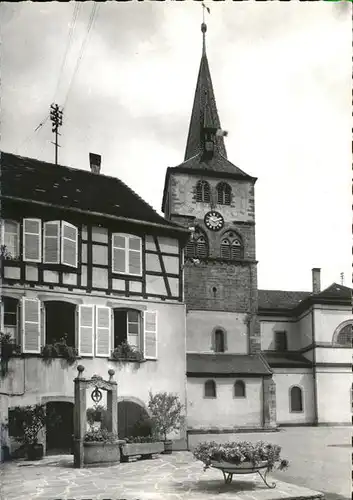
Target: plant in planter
101, 446
166, 413
95, 414
241, 457
59, 349
6, 254
29, 421
125, 352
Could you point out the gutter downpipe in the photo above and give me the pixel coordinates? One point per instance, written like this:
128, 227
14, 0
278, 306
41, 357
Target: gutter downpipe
316, 412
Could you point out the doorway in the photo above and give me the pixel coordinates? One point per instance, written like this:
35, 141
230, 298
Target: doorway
130, 415
60, 428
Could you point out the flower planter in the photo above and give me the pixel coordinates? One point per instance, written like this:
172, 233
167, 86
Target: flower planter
145, 450
96, 452
228, 469
168, 447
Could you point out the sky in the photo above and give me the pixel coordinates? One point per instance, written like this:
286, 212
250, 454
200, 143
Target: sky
282, 78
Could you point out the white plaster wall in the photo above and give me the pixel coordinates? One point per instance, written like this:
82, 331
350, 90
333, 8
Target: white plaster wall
225, 411
334, 396
284, 380
327, 320
333, 355
304, 326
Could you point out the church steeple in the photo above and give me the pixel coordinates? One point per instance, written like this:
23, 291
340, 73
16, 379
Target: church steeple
204, 116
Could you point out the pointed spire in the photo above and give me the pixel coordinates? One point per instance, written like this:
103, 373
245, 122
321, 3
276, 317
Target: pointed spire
204, 112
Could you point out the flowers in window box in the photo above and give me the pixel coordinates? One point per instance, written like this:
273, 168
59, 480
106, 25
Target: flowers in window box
60, 350
240, 452
126, 352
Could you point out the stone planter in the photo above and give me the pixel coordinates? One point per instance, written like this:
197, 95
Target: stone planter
145, 450
101, 453
35, 451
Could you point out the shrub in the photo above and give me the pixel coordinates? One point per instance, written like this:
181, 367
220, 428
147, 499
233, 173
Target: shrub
140, 439
239, 452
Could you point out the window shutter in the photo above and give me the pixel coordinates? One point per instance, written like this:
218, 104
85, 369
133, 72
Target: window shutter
103, 331
51, 247
85, 330
32, 240
30, 325
119, 253
150, 334
135, 264
69, 243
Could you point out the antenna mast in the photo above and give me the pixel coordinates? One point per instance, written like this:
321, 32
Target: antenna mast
56, 117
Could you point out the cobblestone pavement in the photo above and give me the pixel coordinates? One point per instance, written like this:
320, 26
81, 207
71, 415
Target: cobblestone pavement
168, 477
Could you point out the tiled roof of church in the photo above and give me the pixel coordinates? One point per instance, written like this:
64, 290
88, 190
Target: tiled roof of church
74, 189
225, 364
286, 359
287, 300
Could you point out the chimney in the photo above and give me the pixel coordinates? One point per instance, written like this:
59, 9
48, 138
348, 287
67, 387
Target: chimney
316, 279
95, 163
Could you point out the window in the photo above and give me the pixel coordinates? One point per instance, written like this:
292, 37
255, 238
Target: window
127, 254
10, 238
231, 247
197, 246
239, 389
296, 399
210, 389
203, 192
343, 335
9, 319
60, 322
32, 240
281, 341
224, 192
60, 243
127, 328
219, 341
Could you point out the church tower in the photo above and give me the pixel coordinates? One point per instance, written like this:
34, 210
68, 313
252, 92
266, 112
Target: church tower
216, 201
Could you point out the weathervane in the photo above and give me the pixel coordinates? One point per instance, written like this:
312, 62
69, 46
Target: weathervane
56, 117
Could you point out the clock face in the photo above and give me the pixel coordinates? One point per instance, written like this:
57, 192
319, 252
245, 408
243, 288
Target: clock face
214, 221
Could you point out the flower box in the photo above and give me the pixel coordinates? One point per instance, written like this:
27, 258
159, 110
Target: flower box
101, 453
145, 450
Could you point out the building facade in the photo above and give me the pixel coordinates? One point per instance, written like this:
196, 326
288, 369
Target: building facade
89, 268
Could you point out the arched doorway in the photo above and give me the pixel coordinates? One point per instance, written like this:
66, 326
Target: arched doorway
132, 419
60, 427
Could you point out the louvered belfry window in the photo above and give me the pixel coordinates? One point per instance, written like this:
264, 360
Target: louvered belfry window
201, 247
197, 246
203, 192
224, 193
231, 247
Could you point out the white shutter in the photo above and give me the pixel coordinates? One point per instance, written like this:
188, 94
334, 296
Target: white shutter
69, 244
119, 253
32, 243
51, 247
135, 254
85, 330
30, 325
150, 335
103, 331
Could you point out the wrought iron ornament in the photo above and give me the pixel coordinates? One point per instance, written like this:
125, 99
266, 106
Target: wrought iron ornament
96, 395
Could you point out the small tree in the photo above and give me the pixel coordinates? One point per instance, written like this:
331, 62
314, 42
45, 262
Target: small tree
166, 412
29, 421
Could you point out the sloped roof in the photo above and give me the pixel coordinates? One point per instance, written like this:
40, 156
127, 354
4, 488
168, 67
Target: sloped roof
39, 181
225, 364
335, 291
286, 359
280, 299
204, 112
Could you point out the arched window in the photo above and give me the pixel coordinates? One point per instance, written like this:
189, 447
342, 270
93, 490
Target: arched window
231, 246
203, 192
219, 341
210, 389
224, 192
343, 335
296, 399
225, 249
197, 246
239, 389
